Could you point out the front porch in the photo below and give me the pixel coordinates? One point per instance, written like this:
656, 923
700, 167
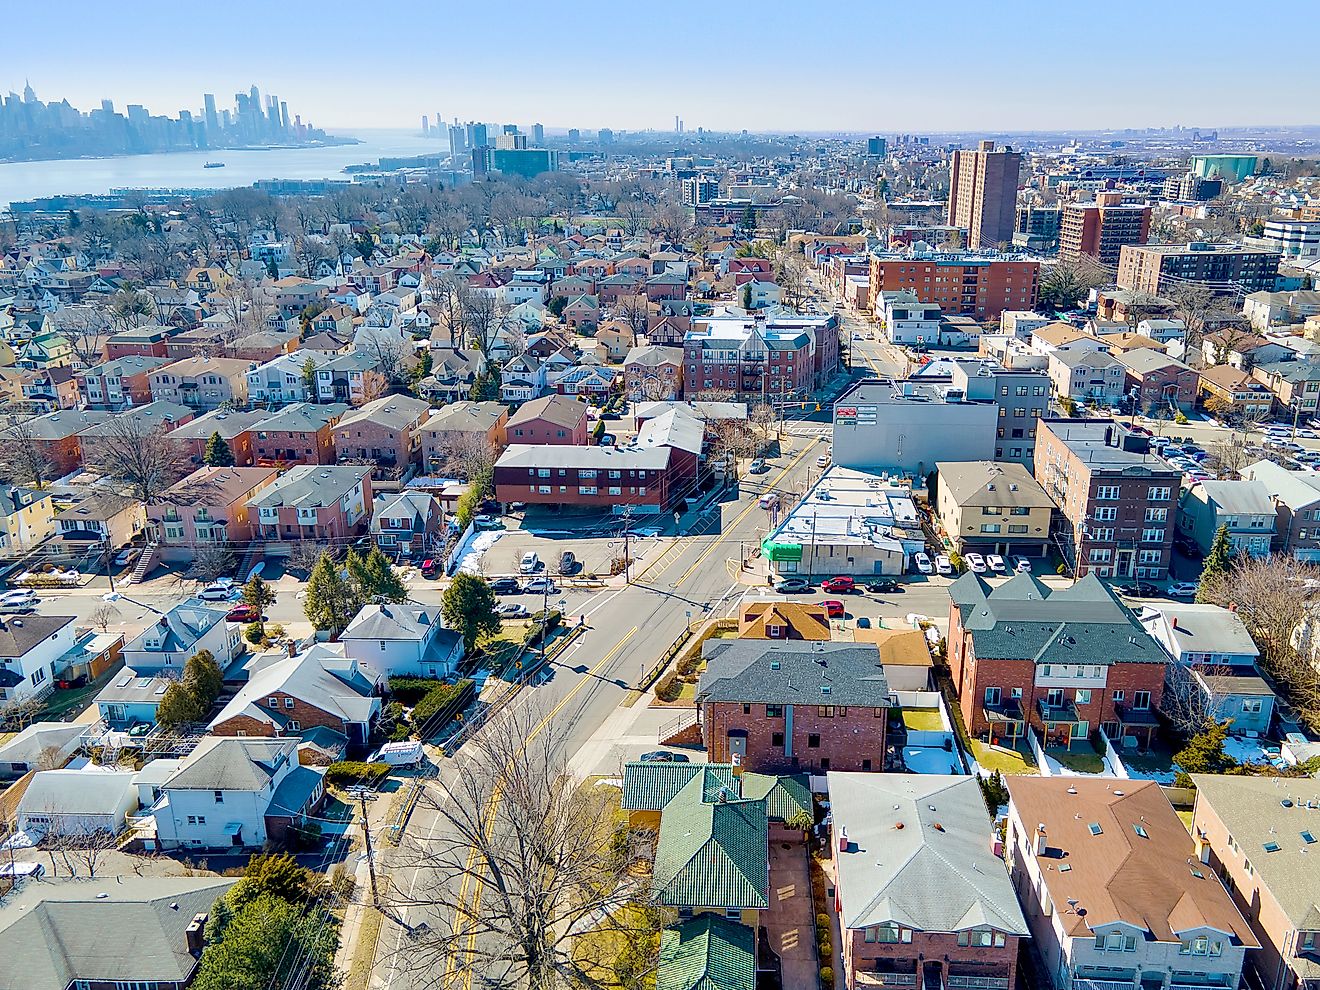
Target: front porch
1060, 724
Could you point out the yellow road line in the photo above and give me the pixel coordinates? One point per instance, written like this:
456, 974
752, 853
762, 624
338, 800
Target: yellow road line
494, 803
742, 515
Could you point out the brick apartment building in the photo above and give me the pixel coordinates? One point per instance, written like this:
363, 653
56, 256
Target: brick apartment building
983, 187
1159, 269
609, 478
786, 705
756, 361
1117, 500
1100, 229
551, 419
302, 433
311, 502
959, 283
1064, 662
118, 383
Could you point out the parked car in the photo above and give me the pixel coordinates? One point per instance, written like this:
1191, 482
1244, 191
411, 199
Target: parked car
18, 601
505, 586
975, 563
943, 565
430, 567
759, 466
1138, 589
530, 563
792, 586
664, 756
540, 586
125, 557
567, 562
863, 622
842, 584
996, 563
242, 613
823, 460
1183, 589
484, 521
884, 586
216, 592
510, 610
1022, 565
922, 563
833, 608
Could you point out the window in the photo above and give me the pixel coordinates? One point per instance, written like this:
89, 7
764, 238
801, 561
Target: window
1054, 697
1019, 510
990, 528
980, 937
1107, 492
1141, 700
1140, 830
1157, 515
825, 711
288, 702
1116, 942
1157, 494
1252, 706
813, 741
1018, 529
1118, 695
1152, 535
888, 934
774, 711
992, 696
1083, 696
1106, 513
272, 702
777, 739
219, 797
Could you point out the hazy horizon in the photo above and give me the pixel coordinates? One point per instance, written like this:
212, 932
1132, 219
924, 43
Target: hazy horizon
778, 67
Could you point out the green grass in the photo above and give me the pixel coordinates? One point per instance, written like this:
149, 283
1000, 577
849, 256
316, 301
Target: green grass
505, 647
1003, 759
922, 719
1083, 759
60, 703
1185, 816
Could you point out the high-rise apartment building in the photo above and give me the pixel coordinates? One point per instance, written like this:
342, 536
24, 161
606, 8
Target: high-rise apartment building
538, 135
1100, 229
212, 121
1225, 269
983, 188
875, 147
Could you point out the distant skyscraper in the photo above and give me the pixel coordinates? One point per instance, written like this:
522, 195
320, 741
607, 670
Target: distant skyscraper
284, 115
678, 128
457, 140
510, 129
426, 124
605, 136
212, 121
875, 147
137, 114
108, 106
983, 194
538, 134
29, 94
574, 135
478, 136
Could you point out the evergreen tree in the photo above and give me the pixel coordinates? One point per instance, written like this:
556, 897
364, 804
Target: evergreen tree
309, 377
1216, 561
259, 595
468, 606
178, 705
217, 453
330, 602
486, 386
373, 578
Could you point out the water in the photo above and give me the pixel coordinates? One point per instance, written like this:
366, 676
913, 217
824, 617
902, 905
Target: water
184, 170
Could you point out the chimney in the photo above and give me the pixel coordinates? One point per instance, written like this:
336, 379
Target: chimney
1232, 606
843, 839
195, 934
1109, 436
1175, 622
1041, 842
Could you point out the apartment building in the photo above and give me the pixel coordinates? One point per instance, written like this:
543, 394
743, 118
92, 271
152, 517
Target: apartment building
756, 361
610, 478
201, 382
1099, 230
209, 506
963, 284
302, 433
983, 187
1117, 500
120, 382
1225, 269
992, 507
311, 502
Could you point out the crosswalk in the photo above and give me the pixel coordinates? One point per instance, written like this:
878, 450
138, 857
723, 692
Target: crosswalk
811, 430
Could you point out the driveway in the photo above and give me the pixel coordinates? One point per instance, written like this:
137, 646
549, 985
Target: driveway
790, 927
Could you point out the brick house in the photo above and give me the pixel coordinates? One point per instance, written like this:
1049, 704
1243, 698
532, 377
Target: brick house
384, 432
654, 373
462, 425
56, 436
237, 429
913, 918
607, 478
285, 696
311, 502
1065, 662
148, 341
1159, 379
209, 506
120, 382
410, 521
551, 419
201, 382
787, 706
582, 312
1117, 500
302, 433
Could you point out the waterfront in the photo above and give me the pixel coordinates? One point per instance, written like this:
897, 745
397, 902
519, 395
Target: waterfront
186, 170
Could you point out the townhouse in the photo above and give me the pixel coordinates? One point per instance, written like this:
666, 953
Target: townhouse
1295, 384
209, 506
311, 502
1158, 383
384, 433
236, 428
1087, 375
462, 427
120, 382
345, 378
201, 382
1245, 508
57, 436
302, 433
1064, 662
1296, 497
284, 379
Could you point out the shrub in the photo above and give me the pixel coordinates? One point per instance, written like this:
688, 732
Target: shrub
669, 687
826, 949
436, 700
956, 561
827, 976
348, 772
822, 922
687, 665
253, 633
410, 690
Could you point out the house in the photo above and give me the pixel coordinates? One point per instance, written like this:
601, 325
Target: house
707, 952
83, 802
1049, 338
27, 516
209, 506
648, 480
333, 333
206, 280
383, 433
993, 507
187, 628
1063, 661
1295, 384
1087, 375
904, 655
231, 793
921, 897
648, 787
139, 931
615, 340
101, 518
582, 313
310, 502
236, 428
286, 696
653, 373
590, 381
553, 419
345, 378
120, 382
453, 372
783, 620
1159, 381
1235, 395
39, 746
57, 437
460, 427
1296, 496
302, 433
1245, 508
1259, 840
1267, 309
263, 345
773, 705
1214, 670
1107, 877
284, 379
132, 699
403, 639
408, 522
522, 378
201, 382
1241, 349
905, 319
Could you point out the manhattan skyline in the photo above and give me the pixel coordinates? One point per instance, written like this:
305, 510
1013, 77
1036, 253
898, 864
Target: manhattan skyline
1013, 67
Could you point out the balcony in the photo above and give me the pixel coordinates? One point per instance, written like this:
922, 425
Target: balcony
977, 982
873, 979
1081, 984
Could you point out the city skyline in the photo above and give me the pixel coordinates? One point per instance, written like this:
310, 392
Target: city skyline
1021, 69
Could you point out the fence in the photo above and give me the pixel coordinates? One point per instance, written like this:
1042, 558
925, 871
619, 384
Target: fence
687, 643
451, 561
1042, 764
1112, 757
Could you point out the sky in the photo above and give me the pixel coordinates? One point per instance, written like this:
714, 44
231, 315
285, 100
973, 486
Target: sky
883, 66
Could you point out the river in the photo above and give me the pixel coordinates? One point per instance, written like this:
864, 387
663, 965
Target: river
184, 170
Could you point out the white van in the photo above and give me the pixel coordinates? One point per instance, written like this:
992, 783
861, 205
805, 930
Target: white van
768, 501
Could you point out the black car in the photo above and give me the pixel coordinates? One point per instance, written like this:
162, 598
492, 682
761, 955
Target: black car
664, 756
1138, 590
505, 586
884, 587
567, 563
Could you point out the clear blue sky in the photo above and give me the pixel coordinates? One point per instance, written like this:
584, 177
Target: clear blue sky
814, 65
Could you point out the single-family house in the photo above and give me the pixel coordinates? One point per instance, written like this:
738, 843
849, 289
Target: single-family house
101, 518
1245, 508
1159, 382
1296, 497
39, 746
393, 638
1087, 375
285, 379
187, 628
408, 522
775, 619
344, 378
522, 378
132, 699
27, 516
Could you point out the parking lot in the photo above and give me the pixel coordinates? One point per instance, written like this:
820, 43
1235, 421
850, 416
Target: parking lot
594, 545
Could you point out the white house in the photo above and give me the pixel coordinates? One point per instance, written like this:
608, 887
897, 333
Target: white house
403, 639
280, 380
759, 294
77, 802
526, 284
234, 792
30, 645
42, 745
521, 379
906, 319
1087, 374
166, 644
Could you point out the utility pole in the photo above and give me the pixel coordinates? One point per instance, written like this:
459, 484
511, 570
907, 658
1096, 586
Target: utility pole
627, 555
364, 796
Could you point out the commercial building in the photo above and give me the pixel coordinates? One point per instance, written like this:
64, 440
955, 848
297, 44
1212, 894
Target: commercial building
611, 478
1230, 168
1296, 240
992, 507
960, 283
1022, 396
1225, 269
1116, 499
983, 188
1100, 229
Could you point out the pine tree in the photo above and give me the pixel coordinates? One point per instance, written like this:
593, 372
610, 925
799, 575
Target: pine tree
259, 595
217, 452
1216, 561
309, 377
468, 606
331, 602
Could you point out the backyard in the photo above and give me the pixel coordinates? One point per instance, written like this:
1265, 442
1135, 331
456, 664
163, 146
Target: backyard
1003, 759
922, 720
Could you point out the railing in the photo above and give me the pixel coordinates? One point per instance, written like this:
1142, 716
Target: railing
978, 982
873, 979
684, 721
1100, 985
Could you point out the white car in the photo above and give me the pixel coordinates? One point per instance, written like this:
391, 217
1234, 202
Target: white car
823, 460
975, 563
530, 563
540, 586
216, 592
943, 565
1022, 565
1183, 589
996, 563
923, 563
23, 598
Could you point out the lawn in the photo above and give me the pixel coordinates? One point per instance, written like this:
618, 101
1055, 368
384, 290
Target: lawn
1083, 759
1003, 759
922, 719
1185, 816
505, 647
61, 702
596, 951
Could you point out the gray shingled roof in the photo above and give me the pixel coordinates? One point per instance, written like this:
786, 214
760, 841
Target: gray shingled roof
311, 485
18, 634
792, 673
232, 764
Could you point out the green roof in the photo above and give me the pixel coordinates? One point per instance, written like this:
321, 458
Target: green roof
784, 796
651, 786
712, 853
707, 953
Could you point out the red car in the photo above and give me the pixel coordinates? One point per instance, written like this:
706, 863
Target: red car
242, 613
842, 585
833, 608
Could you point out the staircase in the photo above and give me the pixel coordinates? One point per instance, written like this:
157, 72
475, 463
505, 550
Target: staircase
254, 553
682, 731
144, 565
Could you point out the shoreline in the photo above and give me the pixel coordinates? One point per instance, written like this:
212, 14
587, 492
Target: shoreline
310, 145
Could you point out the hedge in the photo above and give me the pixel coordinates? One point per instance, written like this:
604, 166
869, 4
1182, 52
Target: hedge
410, 690
354, 772
435, 700
669, 688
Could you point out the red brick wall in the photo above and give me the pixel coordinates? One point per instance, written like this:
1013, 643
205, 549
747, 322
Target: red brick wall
931, 947
277, 443
538, 431
851, 741
306, 715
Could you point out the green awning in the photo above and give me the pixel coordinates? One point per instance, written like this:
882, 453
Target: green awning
781, 551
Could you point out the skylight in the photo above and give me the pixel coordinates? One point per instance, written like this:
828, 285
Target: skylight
1095, 828
1197, 873
1308, 838
1140, 830
1065, 867
1272, 847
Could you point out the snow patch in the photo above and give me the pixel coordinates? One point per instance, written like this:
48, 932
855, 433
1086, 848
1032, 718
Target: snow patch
469, 562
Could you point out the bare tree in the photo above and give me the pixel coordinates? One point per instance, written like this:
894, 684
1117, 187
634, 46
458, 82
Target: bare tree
304, 554
374, 385
81, 847
1196, 305
635, 310
483, 319
765, 420
467, 455
446, 308
140, 456
791, 274
390, 353
103, 615
524, 861
23, 457
1185, 704
210, 561
86, 329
